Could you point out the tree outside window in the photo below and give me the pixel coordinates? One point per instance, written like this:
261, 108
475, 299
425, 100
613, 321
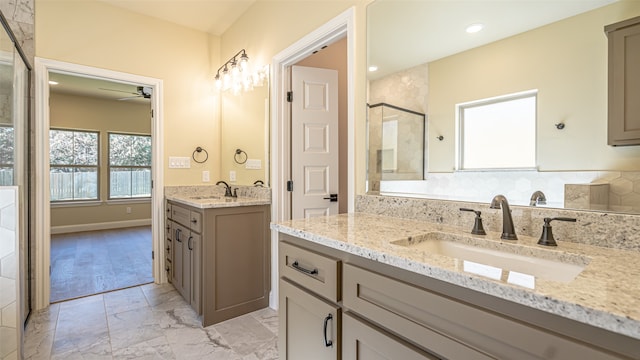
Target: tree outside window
73, 159
6, 155
129, 166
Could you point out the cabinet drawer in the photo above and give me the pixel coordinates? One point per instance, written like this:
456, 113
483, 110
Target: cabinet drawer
450, 328
318, 273
363, 341
189, 218
180, 215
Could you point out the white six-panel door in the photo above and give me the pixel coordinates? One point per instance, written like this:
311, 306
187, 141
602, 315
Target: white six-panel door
314, 141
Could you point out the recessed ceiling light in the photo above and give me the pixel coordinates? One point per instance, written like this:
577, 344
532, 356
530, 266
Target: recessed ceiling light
474, 28
373, 68
51, 82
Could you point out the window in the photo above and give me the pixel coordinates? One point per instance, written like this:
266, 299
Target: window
498, 133
129, 166
73, 158
6, 155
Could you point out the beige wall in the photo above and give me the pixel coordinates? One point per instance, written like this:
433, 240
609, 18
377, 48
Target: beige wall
569, 69
99, 35
95, 34
335, 57
85, 113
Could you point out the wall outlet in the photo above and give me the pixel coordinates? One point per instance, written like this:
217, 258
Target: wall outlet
128, 209
232, 175
205, 176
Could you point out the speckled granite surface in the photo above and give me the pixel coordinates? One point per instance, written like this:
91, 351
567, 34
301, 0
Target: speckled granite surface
605, 294
615, 230
212, 196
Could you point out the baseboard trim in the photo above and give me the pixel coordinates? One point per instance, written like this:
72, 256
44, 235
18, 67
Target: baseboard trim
64, 229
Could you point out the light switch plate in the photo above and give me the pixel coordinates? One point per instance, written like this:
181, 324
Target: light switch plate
205, 176
179, 162
232, 175
255, 164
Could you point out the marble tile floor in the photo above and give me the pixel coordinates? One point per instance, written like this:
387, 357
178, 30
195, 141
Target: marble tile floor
145, 322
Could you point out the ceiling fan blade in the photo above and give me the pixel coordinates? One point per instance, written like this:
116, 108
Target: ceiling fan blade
129, 98
122, 91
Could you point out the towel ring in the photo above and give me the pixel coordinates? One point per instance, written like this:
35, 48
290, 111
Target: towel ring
237, 157
199, 150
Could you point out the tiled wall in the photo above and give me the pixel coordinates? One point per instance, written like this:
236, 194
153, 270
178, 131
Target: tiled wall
8, 273
517, 186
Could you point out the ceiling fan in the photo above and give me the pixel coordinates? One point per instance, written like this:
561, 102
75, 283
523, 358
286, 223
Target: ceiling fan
141, 92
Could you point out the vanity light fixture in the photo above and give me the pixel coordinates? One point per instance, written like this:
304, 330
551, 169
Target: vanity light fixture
474, 28
235, 75
373, 68
51, 82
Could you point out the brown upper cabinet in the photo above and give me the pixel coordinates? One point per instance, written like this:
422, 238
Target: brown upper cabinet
624, 82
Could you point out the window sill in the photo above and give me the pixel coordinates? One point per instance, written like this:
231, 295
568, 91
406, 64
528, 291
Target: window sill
128, 201
64, 204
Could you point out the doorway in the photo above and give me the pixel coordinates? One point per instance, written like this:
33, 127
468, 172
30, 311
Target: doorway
45, 67
340, 27
100, 180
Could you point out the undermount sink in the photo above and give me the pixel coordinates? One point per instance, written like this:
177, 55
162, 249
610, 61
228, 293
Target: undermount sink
207, 197
498, 260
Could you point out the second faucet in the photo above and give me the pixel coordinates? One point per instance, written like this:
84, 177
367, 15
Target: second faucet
508, 230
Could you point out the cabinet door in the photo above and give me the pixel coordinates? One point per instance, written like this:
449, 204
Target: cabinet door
180, 235
309, 327
624, 82
363, 341
194, 246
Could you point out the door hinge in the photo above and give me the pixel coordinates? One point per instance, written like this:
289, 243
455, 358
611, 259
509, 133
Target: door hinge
152, 184
289, 96
152, 255
290, 185
152, 113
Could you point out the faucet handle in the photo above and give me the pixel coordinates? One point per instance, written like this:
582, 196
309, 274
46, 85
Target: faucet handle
547, 234
478, 229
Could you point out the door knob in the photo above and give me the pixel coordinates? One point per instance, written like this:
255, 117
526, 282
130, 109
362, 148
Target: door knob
332, 198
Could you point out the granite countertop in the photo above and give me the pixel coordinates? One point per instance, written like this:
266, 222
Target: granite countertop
605, 294
215, 201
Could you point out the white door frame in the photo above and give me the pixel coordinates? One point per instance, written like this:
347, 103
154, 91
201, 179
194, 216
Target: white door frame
42, 192
339, 27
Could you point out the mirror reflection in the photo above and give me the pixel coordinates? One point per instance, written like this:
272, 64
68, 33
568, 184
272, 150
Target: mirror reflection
557, 52
396, 143
244, 135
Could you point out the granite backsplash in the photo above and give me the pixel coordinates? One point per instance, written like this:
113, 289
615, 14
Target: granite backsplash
613, 230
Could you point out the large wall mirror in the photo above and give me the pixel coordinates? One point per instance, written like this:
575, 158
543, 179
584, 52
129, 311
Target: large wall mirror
548, 56
245, 135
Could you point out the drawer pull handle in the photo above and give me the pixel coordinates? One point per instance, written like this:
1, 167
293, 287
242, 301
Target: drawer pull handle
178, 231
195, 221
189, 243
297, 266
327, 343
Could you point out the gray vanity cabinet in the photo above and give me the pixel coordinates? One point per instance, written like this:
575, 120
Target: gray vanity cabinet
236, 266
386, 312
185, 226
310, 317
624, 82
219, 258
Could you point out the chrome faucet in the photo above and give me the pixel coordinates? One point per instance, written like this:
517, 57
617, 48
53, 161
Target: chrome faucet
227, 190
508, 231
538, 197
